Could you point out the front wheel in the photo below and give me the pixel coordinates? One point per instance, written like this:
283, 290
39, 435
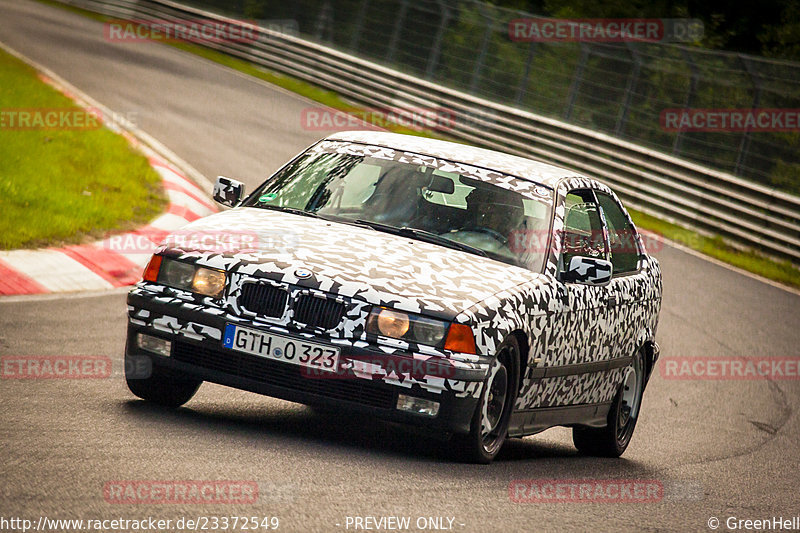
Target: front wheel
613, 440
492, 415
160, 385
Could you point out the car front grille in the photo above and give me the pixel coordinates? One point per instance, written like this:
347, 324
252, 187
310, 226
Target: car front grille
285, 375
318, 312
265, 300
309, 311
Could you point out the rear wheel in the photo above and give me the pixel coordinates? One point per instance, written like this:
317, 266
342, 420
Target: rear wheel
161, 386
492, 415
613, 439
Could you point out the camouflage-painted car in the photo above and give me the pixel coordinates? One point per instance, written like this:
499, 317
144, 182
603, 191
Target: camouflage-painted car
480, 294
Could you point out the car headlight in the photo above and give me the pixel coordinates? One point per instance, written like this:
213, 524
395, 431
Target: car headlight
176, 274
209, 282
405, 326
186, 276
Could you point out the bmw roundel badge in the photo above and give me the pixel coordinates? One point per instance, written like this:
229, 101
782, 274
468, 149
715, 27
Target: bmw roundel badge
302, 273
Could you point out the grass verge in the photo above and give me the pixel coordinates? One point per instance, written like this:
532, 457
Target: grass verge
782, 272
67, 183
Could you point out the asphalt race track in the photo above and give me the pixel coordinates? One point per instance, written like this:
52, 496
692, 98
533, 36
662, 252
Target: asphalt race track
721, 448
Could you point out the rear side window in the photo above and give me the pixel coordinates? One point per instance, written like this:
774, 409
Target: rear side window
624, 244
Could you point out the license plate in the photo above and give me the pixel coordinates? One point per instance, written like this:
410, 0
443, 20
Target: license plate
279, 348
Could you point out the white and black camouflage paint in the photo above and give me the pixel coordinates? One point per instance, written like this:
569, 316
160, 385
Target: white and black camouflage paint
563, 324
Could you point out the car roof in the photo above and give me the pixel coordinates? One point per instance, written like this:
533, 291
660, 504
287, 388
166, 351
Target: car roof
520, 167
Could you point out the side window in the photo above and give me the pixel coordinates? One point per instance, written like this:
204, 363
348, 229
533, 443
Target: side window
621, 235
583, 228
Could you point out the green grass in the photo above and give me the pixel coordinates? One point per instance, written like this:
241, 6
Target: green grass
715, 247
755, 262
65, 186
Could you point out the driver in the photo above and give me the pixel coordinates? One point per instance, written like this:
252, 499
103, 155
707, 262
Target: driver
495, 209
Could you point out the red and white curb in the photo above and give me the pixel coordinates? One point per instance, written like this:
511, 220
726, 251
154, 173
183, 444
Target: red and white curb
117, 260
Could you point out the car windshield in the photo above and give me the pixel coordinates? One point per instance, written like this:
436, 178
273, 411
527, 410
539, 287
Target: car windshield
496, 216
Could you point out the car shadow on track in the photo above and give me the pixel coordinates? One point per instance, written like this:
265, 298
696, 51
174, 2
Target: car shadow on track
294, 425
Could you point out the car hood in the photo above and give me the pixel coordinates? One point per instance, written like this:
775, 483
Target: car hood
347, 260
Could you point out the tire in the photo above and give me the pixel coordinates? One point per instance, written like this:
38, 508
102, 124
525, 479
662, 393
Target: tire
613, 439
161, 386
489, 427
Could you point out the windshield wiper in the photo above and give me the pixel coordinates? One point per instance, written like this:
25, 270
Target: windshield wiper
293, 210
422, 235
436, 238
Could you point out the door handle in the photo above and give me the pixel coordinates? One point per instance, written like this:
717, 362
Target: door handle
612, 301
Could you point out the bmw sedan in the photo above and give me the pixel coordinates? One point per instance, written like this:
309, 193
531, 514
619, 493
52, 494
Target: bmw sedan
477, 294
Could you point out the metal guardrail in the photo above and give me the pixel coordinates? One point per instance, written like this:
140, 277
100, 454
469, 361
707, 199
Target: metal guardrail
746, 214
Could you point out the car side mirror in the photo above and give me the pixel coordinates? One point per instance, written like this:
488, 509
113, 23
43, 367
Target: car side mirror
228, 191
588, 271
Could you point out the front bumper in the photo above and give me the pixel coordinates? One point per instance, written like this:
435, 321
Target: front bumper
369, 382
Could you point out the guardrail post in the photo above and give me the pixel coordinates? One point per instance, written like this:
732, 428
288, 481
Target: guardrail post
436, 49
523, 83
744, 144
577, 79
678, 142
487, 34
362, 12
398, 24
630, 88
323, 26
